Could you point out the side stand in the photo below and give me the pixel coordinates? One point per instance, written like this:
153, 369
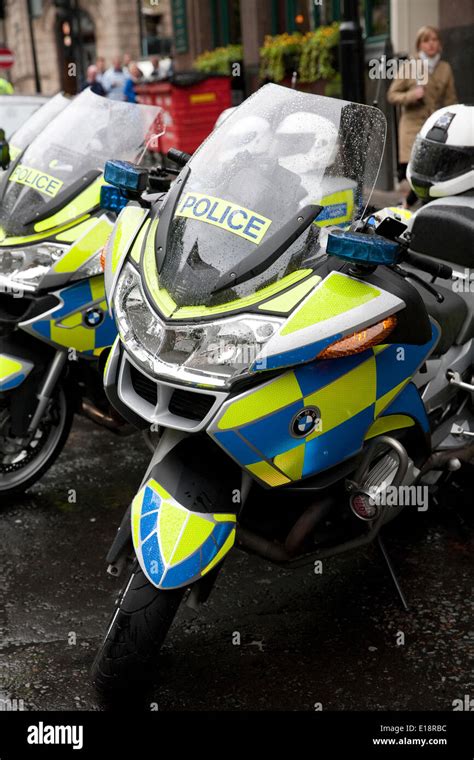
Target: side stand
392, 572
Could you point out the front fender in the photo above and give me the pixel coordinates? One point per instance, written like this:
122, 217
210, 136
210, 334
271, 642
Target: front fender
174, 545
13, 370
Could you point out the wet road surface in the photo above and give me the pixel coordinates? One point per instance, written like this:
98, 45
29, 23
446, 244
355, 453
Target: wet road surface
306, 641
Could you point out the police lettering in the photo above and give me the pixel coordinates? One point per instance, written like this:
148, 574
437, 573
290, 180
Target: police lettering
228, 216
43, 183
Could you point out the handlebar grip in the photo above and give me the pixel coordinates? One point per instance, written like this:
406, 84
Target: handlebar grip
178, 156
431, 267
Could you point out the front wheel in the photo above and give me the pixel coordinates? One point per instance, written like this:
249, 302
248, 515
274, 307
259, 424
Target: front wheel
127, 660
24, 460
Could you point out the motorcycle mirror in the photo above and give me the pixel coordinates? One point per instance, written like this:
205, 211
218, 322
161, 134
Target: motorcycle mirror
4, 151
362, 248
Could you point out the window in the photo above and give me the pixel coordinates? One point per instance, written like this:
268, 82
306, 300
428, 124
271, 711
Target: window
225, 19
377, 17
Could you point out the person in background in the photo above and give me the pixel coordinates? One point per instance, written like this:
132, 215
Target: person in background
155, 62
418, 101
126, 61
114, 79
92, 83
101, 67
5, 87
136, 76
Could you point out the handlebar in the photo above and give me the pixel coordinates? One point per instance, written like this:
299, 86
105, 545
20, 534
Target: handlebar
431, 267
178, 156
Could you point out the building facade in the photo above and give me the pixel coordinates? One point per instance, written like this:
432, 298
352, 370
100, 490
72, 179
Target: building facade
76, 32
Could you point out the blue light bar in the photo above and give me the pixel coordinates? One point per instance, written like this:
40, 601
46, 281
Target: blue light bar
362, 248
112, 199
126, 176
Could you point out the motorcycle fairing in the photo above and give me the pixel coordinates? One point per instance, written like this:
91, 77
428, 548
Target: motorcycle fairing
66, 232
338, 305
127, 225
174, 545
406, 410
13, 370
257, 427
80, 321
53, 227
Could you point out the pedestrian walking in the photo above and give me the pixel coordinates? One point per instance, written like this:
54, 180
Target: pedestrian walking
420, 96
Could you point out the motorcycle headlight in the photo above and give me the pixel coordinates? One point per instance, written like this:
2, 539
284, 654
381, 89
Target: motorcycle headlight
27, 266
213, 353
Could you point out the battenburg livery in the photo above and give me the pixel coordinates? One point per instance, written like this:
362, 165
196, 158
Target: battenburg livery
290, 368
54, 320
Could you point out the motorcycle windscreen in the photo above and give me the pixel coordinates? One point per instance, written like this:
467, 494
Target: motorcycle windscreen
34, 125
69, 154
278, 152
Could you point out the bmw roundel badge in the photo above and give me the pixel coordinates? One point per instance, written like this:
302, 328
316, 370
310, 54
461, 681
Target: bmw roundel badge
93, 317
305, 422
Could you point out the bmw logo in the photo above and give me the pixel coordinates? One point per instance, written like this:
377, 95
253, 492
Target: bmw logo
305, 422
93, 317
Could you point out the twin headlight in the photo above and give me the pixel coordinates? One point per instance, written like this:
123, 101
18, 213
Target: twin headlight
213, 354
26, 267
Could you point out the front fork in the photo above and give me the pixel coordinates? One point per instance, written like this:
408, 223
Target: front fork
28, 402
47, 389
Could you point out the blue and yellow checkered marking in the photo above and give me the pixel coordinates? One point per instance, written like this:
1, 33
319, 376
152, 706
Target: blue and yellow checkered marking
174, 545
350, 393
13, 371
65, 326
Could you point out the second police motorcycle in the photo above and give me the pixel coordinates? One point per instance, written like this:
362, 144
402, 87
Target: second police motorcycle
54, 322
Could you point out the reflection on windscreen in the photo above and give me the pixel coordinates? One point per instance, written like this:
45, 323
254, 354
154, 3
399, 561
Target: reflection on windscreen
13, 116
280, 151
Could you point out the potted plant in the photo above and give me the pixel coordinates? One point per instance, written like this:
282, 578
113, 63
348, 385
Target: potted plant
313, 56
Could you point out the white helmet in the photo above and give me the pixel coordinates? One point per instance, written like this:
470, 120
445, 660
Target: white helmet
442, 157
252, 134
306, 142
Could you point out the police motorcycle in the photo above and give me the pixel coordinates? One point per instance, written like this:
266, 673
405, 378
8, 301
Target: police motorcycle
441, 173
292, 370
54, 323
11, 146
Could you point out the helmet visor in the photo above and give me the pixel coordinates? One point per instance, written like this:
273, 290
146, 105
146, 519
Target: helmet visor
437, 162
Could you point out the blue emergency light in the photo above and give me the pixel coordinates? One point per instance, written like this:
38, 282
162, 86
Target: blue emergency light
112, 198
361, 248
126, 176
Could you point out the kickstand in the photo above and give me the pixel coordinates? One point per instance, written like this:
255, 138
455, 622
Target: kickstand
392, 572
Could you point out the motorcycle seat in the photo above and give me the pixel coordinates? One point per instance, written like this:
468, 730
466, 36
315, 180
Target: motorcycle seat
453, 315
444, 229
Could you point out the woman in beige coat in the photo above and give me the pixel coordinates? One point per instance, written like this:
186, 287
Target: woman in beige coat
418, 101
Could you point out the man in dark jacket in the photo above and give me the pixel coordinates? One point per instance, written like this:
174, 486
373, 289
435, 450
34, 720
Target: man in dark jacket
92, 82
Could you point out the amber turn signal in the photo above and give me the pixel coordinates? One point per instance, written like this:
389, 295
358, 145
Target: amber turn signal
102, 254
360, 340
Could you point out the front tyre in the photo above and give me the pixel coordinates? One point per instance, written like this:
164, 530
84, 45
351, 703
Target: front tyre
24, 460
127, 660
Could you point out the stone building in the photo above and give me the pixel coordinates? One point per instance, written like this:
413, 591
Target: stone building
76, 32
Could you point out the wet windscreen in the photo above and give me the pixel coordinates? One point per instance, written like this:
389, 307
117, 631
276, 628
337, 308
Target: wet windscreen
69, 153
34, 125
14, 111
278, 152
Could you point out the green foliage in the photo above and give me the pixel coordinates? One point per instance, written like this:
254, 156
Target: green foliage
219, 60
316, 60
274, 52
312, 54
